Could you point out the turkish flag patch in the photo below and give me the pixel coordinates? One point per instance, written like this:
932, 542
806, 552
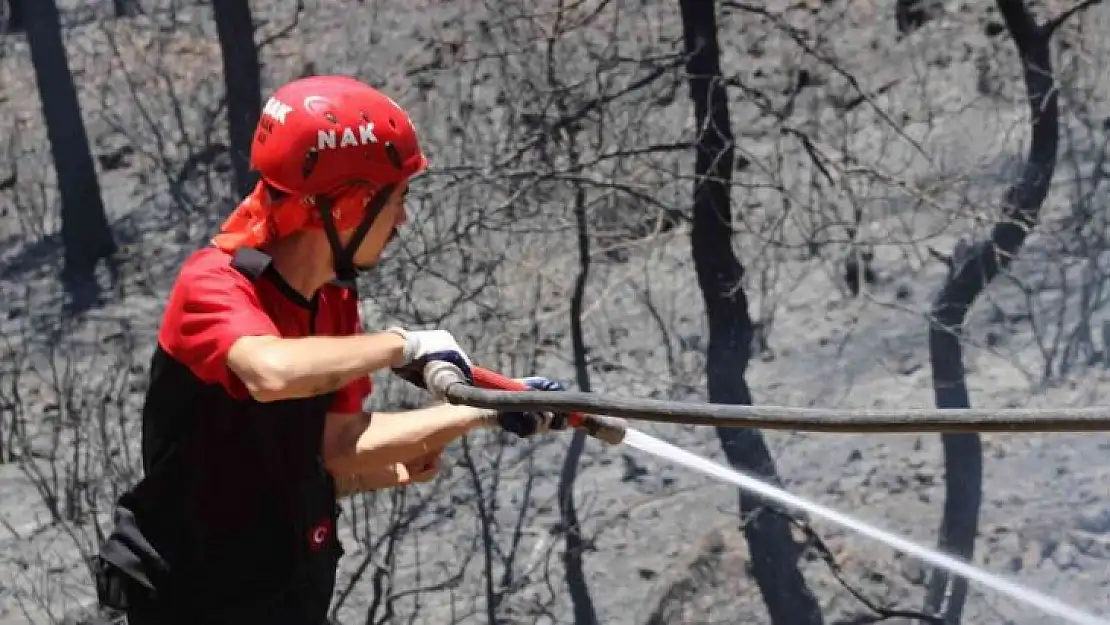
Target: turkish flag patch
319, 535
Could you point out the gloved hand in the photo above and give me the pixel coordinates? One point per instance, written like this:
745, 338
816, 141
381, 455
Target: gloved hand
526, 424
424, 346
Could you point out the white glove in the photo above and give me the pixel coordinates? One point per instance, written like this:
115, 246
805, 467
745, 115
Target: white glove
423, 346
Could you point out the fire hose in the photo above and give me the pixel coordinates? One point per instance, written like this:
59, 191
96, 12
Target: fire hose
603, 417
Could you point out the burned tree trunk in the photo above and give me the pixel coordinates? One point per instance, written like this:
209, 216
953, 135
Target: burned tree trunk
125, 8
86, 235
968, 277
242, 85
15, 23
577, 587
773, 550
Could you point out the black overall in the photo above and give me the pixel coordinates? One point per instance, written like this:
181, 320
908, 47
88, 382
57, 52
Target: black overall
234, 521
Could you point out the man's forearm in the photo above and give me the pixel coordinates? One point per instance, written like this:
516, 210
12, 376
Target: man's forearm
275, 368
366, 480
392, 437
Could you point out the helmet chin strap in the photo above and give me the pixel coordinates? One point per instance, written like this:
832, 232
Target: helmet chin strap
346, 272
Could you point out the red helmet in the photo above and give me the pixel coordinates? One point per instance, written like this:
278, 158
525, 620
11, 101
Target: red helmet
331, 143
322, 132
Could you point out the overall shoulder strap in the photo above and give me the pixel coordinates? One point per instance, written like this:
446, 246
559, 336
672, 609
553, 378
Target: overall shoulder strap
251, 262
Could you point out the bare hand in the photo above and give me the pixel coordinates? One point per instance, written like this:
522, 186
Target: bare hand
421, 469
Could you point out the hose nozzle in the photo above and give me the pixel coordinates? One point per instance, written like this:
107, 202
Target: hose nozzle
439, 376
610, 430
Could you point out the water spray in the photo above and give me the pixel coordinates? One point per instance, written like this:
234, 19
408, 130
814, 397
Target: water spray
495, 391
1046, 604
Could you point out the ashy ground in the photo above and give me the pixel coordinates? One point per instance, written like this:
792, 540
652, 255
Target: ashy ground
664, 543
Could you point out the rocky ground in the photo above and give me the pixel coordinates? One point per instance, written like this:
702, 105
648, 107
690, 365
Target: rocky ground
665, 544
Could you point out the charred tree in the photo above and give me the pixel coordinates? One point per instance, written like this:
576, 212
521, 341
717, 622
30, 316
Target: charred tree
125, 8
86, 236
15, 21
969, 274
242, 84
577, 587
859, 265
773, 550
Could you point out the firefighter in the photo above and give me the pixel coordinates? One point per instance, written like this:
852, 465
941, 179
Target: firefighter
253, 422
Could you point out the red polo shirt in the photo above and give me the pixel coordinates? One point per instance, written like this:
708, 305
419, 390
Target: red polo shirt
235, 510
213, 304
